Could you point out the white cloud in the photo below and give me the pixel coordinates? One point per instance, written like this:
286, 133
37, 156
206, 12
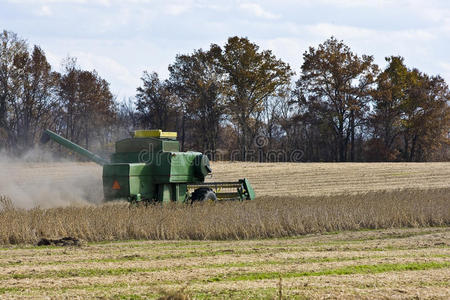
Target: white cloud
445, 70
257, 10
107, 67
178, 7
360, 3
121, 38
44, 11
325, 30
431, 10
40, 2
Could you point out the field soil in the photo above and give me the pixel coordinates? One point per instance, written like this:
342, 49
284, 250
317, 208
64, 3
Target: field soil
393, 263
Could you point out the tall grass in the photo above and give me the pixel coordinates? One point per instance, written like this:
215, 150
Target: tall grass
262, 218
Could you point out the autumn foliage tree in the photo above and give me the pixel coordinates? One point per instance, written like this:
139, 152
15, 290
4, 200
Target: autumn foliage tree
156, 104
235, 101
33, 106
388, 98
198, 82
335, 84
425, 117
411, 115
252, 76
33, 97
86, 104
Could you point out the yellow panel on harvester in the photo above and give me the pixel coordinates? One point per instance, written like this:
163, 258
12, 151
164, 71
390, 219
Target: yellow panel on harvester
155, 133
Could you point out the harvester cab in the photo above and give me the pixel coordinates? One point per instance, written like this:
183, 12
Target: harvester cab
150, 167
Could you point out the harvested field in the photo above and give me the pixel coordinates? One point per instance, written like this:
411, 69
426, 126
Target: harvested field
316, 179
56, 184
393, 263
314, 231
293, 199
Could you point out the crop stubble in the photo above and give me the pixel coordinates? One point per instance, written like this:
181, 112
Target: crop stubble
317, 179
236, 252
376, 263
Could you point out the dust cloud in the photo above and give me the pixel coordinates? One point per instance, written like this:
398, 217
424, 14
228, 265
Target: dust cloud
37, 179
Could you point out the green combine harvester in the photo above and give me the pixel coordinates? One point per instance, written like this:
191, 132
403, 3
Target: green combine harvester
149, 167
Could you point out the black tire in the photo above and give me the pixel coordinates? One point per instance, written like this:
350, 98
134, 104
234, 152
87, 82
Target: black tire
203, 194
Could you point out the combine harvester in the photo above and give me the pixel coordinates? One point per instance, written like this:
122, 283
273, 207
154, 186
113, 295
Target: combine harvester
149, 167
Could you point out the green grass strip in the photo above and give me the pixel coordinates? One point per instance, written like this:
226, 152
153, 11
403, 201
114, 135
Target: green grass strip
211, 253
86, 272
348, 270
83, 273
93, 272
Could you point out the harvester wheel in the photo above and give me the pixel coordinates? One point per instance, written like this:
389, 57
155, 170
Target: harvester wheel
203, 194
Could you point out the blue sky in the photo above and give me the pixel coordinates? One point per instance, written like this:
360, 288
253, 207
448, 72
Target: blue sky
121, 39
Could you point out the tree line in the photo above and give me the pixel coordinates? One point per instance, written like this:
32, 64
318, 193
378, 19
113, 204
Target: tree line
236, 102
33, 97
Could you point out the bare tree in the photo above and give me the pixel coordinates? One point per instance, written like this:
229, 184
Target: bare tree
12, 51
156, 104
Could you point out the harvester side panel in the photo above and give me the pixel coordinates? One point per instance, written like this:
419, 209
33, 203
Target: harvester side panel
116, 182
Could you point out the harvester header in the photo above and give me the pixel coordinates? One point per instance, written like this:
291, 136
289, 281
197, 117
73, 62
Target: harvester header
150, 167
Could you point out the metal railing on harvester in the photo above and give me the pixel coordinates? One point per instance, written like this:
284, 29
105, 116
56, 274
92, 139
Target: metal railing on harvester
235, 190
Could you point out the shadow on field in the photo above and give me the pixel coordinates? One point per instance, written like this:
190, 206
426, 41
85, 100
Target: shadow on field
66, 241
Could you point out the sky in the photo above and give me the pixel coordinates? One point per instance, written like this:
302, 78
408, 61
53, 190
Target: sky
121, 39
